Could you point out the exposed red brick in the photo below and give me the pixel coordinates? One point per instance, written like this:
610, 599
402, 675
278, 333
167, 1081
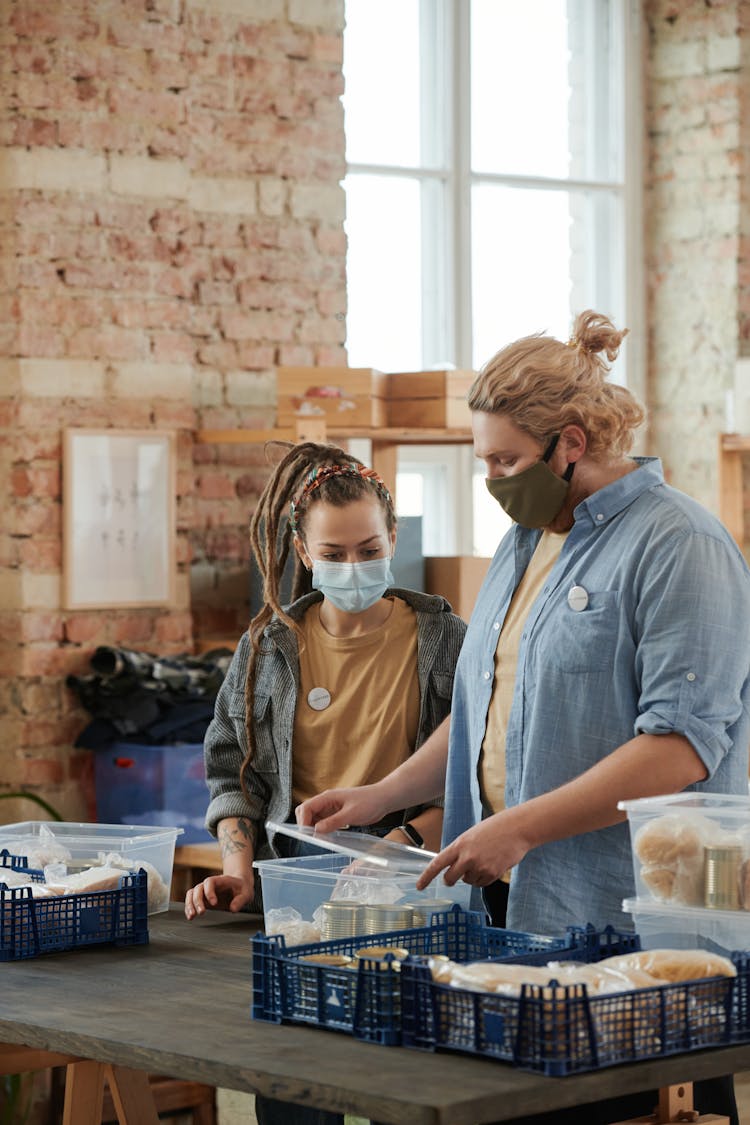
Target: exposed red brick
85, 628
41, 556
87, 275
136, 628
41, 626
214, 486
42, 771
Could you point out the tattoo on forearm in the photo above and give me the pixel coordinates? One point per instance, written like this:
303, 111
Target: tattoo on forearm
247, 829
237, 839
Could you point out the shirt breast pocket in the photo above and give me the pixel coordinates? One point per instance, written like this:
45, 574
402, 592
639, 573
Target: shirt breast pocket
588, 637
264, 753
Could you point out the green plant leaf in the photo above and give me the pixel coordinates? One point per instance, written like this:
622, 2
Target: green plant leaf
37, 800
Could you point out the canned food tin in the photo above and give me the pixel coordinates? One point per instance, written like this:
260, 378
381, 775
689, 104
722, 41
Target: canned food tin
340, 920
378, 918
722, 876
380, 952
338, 960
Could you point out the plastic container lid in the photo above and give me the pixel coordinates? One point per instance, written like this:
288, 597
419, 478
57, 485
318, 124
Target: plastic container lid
722, 804
379, 853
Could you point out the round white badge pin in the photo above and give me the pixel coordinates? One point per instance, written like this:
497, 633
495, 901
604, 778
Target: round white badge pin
319, 698
578, 598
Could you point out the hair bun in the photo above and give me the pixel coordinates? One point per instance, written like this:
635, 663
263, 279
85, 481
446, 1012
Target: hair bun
593, 333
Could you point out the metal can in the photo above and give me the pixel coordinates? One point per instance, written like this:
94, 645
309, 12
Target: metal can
380, 953
340, 920
379, 917
722, 876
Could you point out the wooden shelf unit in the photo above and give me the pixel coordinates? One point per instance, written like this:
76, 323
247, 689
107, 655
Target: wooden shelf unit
732, 449
385, 440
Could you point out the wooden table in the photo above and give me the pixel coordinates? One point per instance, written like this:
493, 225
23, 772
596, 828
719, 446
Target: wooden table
181, 1007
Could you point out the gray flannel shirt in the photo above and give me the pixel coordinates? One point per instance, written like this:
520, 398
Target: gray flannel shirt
440, 634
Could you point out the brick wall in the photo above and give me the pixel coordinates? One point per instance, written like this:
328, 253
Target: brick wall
170, 228
696, 215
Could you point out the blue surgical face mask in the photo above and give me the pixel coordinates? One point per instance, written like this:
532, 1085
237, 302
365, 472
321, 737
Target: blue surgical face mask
352, 587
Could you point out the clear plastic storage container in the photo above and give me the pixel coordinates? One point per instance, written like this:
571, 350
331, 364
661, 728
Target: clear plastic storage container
369, 883
661, 925
85, 845
691, 864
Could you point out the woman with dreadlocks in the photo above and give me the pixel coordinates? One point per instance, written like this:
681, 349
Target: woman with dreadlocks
336, 689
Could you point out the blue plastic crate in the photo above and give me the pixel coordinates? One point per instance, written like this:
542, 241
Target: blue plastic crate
366, 1001
30, 927
570, 1032
19, 863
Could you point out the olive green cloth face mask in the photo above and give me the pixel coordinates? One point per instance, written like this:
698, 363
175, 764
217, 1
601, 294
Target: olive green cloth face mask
534, 496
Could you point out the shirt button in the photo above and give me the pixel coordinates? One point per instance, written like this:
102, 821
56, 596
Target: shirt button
691, 676
495, 625
599, 517
486, 675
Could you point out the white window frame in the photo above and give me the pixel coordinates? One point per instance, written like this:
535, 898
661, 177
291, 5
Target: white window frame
445, 36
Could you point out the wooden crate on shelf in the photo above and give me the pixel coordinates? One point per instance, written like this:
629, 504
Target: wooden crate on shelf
430, 399
343, 396
457, 578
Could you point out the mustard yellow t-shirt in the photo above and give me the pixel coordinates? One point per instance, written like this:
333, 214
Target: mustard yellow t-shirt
492, 756
368, 722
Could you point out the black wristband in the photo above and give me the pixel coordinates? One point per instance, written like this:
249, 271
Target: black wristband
416, 837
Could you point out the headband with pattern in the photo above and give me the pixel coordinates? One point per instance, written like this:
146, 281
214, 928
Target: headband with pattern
322, 473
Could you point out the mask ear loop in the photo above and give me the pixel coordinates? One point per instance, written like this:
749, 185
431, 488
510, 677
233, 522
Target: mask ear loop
548, 453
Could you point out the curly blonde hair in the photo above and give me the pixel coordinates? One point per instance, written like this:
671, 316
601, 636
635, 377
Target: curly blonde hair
543, 385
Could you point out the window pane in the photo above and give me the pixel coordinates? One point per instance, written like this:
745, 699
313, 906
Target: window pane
384, 273
543, 81
490, 521
539, 257
382, 77
409, 494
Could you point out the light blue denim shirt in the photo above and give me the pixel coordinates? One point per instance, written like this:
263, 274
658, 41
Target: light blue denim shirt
662, 646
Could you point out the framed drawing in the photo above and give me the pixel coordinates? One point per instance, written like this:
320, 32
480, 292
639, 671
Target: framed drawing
118, 518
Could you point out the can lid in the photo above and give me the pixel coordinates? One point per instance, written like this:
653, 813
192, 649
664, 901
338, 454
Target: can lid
380, 853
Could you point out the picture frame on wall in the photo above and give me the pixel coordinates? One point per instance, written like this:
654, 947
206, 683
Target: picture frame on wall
119, 518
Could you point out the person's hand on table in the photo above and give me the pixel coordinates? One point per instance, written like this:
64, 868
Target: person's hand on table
479, 856
338, 808
219, 892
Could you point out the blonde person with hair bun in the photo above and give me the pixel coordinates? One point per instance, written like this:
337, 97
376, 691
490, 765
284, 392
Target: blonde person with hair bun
607, 656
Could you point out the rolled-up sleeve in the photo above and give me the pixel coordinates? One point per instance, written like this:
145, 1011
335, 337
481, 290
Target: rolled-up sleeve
692, 626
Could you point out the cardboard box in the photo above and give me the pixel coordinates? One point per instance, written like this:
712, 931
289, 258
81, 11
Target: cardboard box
344, 396
429, 399
458, 579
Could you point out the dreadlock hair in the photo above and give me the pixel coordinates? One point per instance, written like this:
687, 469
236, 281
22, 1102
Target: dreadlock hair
298, 480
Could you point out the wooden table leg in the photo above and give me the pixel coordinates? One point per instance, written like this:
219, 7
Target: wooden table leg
131, 1093
84, 1094
676, 1104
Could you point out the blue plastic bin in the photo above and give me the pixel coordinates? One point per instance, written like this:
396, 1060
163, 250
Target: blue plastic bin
161, 785
30, 927
568, 1031
366, 1001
